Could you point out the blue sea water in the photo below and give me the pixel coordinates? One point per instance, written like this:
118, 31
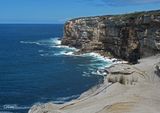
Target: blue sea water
35, 68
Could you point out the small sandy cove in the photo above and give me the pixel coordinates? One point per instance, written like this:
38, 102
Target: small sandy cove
126, 89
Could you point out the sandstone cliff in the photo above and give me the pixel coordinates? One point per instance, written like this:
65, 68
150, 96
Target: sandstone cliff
128, 36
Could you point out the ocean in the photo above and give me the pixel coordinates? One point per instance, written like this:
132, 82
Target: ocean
35, 68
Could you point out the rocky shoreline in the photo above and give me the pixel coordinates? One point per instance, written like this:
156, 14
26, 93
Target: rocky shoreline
127, 88
128, 36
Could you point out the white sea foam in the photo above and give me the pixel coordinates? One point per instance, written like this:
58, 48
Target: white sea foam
59, 100
98, 62
68, 53
64, 47
29, 42
99, 72
14, 107
65, 99
98, 56
97, 65
51, 41
56, 41
45, 54
86, 74
64, 50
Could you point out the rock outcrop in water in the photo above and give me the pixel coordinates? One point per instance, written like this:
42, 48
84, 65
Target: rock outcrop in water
128, 36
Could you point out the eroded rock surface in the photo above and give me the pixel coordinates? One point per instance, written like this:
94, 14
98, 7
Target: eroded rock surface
128, 36
124, 74
137, 92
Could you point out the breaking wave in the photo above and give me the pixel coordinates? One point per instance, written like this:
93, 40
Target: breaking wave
50, 42
56, 48
96, 67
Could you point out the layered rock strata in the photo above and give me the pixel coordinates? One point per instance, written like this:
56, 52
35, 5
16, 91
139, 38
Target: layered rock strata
128, 36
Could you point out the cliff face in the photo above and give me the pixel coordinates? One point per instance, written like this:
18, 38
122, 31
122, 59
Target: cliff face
128, 36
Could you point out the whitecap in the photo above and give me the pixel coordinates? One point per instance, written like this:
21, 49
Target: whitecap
48, 42
29, 42
86, 74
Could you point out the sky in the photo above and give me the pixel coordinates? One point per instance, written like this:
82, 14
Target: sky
59, 11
